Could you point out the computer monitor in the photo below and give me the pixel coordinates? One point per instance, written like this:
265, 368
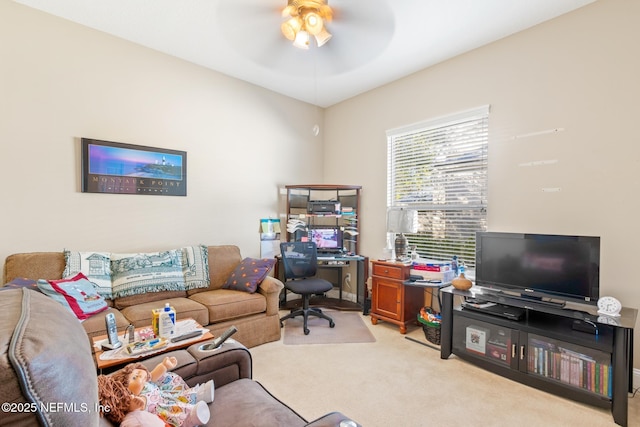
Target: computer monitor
327, 239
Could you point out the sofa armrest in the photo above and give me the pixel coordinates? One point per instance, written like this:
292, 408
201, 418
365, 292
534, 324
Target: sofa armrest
271, 287
333, 419
223, 365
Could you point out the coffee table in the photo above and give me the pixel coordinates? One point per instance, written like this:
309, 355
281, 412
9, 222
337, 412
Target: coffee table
118, 357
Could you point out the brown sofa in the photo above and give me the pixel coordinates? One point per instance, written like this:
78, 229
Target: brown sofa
254, 314
48, 377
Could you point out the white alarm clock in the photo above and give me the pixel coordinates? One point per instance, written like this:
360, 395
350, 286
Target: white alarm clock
609, 306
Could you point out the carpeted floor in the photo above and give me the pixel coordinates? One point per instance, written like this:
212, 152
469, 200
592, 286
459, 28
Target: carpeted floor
349, 328
398, 382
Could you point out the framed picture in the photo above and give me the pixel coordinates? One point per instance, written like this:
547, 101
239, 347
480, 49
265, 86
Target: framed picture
117, 168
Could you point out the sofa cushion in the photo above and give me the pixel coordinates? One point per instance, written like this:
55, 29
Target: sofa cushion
141, 314
77, 294
123, 302
34, 265
227, 304
96, 266
248, 274
45, 359
222, 261
252, 405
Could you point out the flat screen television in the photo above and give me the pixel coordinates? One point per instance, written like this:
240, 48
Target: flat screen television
540, 266
327, 239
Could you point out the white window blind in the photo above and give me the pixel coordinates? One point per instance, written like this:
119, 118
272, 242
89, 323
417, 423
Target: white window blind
439, 167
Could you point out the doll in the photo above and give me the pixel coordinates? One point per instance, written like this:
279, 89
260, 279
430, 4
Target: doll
166, 394
119, 406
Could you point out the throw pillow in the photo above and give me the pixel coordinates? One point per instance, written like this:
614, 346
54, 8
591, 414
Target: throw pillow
248, 274
96, 266
21, 282
134, 274
77, 294
196, 267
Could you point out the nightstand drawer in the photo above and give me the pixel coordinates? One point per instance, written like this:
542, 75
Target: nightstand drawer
390, 271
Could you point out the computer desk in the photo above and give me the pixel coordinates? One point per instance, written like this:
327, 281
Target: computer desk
338, 263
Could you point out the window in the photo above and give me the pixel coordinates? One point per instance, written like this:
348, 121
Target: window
439, 168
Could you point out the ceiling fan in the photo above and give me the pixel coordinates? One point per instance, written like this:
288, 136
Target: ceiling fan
347, 33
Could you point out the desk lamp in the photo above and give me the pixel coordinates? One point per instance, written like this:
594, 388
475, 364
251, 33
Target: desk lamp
400, 221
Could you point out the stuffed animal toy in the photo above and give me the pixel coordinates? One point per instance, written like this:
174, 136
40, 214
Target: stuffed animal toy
166, 394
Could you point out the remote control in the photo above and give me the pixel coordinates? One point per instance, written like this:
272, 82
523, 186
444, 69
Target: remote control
187, 336
221, 339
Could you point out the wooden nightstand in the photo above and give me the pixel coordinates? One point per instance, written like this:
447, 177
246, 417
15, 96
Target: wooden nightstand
392, 301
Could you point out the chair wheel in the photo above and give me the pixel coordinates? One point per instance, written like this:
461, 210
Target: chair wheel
332, 324
306, 331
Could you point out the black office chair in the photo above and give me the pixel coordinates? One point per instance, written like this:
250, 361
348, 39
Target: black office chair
300, 261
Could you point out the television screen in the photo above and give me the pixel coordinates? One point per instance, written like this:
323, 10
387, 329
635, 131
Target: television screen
538, 265
327, 238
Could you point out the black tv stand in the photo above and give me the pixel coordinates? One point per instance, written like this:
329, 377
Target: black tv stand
531, 350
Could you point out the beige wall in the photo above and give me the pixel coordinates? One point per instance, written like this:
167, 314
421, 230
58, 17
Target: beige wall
579, 72
60, 81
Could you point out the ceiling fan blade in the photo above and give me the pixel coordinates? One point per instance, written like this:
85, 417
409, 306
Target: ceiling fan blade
361, 29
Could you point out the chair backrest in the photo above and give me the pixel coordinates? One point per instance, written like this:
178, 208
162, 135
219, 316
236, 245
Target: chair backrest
300, 259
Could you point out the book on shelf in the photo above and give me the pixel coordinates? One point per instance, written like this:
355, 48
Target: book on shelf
570, 367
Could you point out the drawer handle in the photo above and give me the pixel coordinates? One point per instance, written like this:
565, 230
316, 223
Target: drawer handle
513, 351
386, 271
521, 352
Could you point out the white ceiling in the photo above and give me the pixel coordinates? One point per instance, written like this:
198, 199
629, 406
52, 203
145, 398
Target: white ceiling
374, 41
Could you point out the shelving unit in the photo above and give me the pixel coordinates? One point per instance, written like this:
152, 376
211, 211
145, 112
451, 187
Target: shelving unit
544, 350
348, 220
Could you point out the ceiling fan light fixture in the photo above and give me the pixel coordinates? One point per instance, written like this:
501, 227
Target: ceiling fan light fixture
313, 23
302, 40
290, 28
307, 17
289, 11
322, 37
